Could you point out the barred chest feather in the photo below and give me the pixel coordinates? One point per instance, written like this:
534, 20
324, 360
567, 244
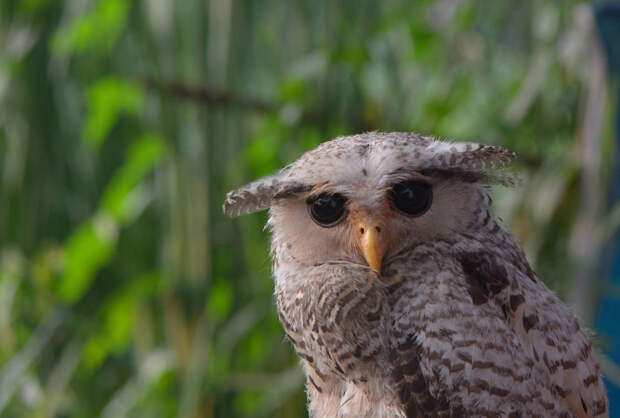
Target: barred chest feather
446, 330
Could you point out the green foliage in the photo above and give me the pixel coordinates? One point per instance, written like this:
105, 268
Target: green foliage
124, 291
93, 243
114, 335
119, 197
96, 31
108, 99
89, 247
220, 300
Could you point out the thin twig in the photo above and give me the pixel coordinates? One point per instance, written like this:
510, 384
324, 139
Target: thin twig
14, 371
206, 95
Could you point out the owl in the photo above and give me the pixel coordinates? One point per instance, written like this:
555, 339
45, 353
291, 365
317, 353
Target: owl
404, 296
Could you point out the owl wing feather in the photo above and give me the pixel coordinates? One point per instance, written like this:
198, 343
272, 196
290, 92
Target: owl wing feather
546, 328
558, 346
489, 338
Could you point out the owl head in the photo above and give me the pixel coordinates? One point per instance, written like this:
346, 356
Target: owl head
363, 198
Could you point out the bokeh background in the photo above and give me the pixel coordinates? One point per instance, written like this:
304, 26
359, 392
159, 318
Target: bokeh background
124, 291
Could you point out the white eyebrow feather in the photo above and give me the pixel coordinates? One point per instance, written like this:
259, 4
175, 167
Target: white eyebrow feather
333, 161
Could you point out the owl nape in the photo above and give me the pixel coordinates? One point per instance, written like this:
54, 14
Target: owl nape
404, 296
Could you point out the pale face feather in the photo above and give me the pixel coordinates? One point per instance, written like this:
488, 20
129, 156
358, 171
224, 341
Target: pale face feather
299, 239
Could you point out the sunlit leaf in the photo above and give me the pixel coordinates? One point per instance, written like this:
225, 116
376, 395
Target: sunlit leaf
93, 243
142, 156
88, 248
97, 30
108, 99
262, 152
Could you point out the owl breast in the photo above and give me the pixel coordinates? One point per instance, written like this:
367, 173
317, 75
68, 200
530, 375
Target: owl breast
337, 317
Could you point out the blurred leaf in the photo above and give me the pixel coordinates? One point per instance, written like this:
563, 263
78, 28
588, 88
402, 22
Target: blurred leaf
262, 153
93, 243
118, 316
88, 248
32, 6
97, 31
247, 403
293, 89
142, 156
108, 99
220, 299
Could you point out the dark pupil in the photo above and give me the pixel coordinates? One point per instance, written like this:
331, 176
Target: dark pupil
412, 197
327, 210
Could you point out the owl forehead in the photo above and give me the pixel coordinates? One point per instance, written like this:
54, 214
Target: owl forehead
360, 163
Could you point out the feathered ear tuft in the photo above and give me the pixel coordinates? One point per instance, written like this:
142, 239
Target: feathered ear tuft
489, 156
492, 161
252, 197
259, 195
487, 162
470, 156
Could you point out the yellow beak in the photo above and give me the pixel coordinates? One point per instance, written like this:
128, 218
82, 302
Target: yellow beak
373, 243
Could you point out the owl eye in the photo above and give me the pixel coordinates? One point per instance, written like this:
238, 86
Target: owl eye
327, 209
412, 197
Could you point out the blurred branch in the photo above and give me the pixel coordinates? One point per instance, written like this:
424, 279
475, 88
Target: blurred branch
609, 225
194, 374
12, 264
237, 326
530, 88
150, 370
61, 375
582, 249
206, 95
14, 371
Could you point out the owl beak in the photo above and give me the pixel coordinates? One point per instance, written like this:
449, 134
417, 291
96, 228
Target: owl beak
373, 244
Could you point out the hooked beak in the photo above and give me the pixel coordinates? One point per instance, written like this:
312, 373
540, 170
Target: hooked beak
373, 242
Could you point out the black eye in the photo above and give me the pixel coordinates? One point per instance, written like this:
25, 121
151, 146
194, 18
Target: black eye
412, 197
327, 209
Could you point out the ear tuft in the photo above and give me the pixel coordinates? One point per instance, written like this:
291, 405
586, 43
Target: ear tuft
252, 197
259, 195
491, 156
491, 160
469, 156
486, 162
